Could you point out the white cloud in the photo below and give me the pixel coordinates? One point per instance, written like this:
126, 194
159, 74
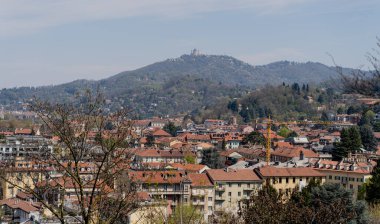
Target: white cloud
24, 16
274, 55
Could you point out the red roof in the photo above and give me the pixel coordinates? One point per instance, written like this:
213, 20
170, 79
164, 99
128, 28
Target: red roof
157, 177
200, 180
269, 171
159, 153
161, 133
16, 203
23, 131
294, 152
234, 175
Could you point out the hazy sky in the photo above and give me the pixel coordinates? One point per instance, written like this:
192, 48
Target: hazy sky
55, 41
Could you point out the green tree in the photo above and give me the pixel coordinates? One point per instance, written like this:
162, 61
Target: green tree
340, 110
190, 159
367, 118
210, 158
373, 187
350, 142
324, 116
317, 204
355, 138
284, 132
353, 109
254, 137
368, 138
376, 126
150, 140
171, 128
186, 214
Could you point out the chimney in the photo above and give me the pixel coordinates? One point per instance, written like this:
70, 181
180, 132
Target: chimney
302, 155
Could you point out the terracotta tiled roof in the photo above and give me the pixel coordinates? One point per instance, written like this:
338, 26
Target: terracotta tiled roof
23, 131
198, 137
233, 175
15, 203
269, 171
6, 133
294, 152
200, 180
157, 177
161, 133
159, 153
282, 144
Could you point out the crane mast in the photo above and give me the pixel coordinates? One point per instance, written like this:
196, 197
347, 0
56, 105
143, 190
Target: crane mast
268, 140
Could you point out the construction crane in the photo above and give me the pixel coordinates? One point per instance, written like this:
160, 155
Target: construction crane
269, 130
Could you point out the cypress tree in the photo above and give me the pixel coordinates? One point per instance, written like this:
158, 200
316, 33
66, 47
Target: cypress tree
373, 188
368, 138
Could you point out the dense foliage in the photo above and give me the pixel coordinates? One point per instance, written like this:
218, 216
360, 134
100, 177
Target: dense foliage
328, 203
350, 143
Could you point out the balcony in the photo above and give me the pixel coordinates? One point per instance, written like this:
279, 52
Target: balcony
198, 202
248, 188
220, 188
197, 192
220, 198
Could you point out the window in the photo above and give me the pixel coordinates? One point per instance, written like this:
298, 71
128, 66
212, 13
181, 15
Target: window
330, 177
239, 185
209, 198
229, 184
294, 180
287, 180
300, 178
210, 208
239, 194
280, 180
229, 194
248, 185
351, 186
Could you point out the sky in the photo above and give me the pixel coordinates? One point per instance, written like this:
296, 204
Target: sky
48, 42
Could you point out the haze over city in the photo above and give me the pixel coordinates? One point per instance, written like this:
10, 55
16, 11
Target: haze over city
52, 42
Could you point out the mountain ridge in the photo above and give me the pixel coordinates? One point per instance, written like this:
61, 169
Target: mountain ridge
179, 85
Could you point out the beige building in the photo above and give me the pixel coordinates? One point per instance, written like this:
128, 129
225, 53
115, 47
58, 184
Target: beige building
287, 180
202, 194
350, 175
232, 186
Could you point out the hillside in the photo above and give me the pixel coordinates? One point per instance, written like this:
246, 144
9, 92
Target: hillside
179, 85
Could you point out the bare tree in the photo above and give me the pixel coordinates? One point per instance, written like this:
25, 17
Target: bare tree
364, 82
85, 178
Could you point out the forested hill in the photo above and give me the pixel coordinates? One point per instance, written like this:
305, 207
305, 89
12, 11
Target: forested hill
181, 84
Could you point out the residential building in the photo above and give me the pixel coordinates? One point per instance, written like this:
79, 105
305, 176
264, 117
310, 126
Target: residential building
202, 194
287, 180
172, 185
349, 174
233, 186
287, 154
